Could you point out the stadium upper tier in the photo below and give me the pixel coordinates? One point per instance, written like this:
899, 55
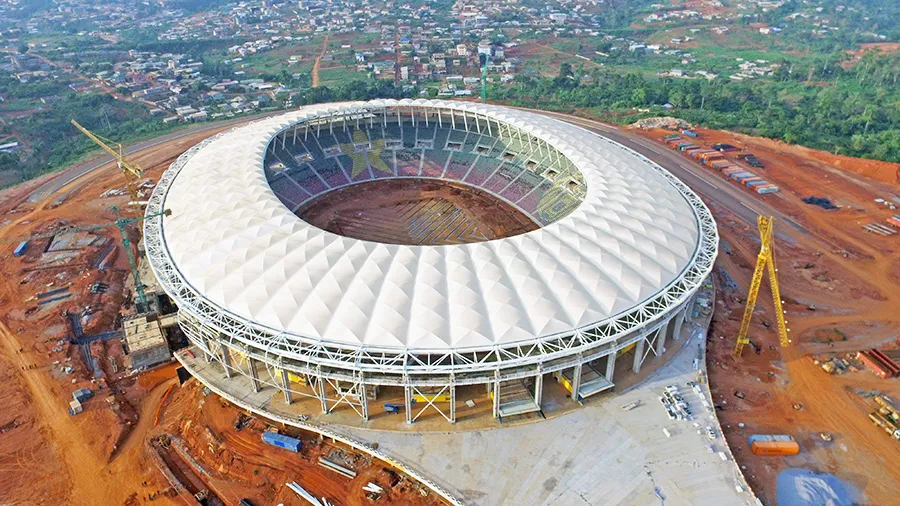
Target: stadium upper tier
325, 157
621, 244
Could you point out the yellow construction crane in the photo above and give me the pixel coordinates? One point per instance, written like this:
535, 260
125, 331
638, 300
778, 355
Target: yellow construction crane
132, 171
765, 259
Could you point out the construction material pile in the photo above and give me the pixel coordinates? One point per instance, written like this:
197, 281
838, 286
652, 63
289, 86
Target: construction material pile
661, 122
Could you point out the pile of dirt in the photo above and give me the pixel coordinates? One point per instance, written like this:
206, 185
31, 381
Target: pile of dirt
660, 122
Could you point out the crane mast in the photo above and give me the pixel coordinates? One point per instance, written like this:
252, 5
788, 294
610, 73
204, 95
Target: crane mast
132, 172
765, 261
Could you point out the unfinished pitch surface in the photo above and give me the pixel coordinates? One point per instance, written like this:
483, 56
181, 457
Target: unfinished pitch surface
416, 212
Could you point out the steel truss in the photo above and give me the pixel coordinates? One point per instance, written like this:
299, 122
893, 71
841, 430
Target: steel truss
374, 365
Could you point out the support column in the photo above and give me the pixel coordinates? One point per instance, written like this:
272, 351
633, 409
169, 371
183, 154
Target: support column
661, 337
320, 392
286, 386
207, 352
452, 402
538, 388
254, 374
611, 366
497, 399
226, 359
407, 400
363, 398
576, 381
679, 322
638, 354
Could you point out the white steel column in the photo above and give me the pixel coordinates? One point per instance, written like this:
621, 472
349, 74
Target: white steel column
363, 399
286, 386
452, 402
407, 401
576, 381
497, 399
611, 366
661, 335
538, 388
226, 359
638, 354
679, 321
254, 374
207, 350
320, 392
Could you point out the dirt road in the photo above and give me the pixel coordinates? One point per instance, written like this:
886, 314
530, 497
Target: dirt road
318, 63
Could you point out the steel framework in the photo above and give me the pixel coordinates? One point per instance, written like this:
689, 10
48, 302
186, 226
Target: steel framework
337, 373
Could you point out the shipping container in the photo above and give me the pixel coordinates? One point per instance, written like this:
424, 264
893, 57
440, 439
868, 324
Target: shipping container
892, 367
281, 441
689, 133
683, 147
20, 249
773, 444
873, 365
75, 408
894, 221
769, 188
775, 448
754, 184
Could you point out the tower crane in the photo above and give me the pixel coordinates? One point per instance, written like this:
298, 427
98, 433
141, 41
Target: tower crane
765, 260
132, 171
120, 222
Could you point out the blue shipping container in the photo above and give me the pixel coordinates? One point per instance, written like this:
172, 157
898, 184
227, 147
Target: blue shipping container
288, 443
20, 249
689, 133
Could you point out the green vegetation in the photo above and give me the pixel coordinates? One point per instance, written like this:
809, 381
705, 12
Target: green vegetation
851, 112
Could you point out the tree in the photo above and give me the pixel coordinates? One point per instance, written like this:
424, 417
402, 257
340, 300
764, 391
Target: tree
23, 48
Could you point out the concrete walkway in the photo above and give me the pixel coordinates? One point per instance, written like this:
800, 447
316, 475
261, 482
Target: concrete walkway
599, 455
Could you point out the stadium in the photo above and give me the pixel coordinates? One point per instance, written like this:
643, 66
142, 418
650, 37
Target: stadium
409, 251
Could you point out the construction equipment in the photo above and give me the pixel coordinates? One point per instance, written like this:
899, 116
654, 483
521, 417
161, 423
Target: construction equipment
766, 259
131, 171
121, 222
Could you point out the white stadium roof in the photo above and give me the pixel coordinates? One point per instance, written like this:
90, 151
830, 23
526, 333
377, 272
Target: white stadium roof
234, 242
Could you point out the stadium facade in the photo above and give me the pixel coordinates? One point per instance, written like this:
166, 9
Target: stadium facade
620, 250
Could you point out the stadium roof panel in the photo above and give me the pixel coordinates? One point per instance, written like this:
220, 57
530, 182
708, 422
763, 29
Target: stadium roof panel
233, 241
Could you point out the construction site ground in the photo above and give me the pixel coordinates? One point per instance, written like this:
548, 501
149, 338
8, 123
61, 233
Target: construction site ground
841, 285
415, 211
834, 275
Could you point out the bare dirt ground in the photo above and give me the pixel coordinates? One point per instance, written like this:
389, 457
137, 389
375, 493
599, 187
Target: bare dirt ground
76, 459
841, 286
240, 465
415, 211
